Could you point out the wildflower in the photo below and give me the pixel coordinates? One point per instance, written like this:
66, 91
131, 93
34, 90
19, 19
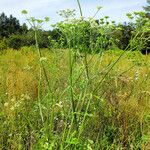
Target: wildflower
5, 104
82, 18
90, 18
43, 59
12, 108
17, 104
59, 104
22, 95
136, 77
56, 118
27, 67
13, 99
27, 97
99, 7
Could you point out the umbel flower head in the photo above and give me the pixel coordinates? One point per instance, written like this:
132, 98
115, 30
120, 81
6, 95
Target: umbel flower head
99, 7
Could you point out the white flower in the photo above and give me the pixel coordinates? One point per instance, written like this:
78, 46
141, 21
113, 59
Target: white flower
12, 108
60, 105
27, 67
13, 99
27, 97
43, 59
99, 7
5, 104
136, 77
81, 17
22, 95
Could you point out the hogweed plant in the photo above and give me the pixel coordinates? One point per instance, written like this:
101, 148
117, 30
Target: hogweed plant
36, 24
74, 30
93, 98
142, 26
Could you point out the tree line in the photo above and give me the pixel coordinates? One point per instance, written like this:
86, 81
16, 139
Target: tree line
90, 34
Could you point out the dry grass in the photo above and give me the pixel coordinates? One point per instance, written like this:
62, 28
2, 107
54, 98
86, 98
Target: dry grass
122, 100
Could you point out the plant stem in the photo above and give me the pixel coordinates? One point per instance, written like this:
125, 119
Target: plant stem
86, 66
79, 5
71, 85
40, 55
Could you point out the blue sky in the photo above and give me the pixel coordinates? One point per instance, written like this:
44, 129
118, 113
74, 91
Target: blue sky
116, 9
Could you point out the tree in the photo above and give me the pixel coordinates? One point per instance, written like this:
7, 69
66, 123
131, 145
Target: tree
10, 25
147, 8
24, 28
3, 27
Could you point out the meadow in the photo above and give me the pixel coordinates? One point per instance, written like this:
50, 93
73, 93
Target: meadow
101, 105
82, 86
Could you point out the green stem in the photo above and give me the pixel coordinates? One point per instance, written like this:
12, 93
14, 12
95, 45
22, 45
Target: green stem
71, 86
86, 66
42, 65
81, 13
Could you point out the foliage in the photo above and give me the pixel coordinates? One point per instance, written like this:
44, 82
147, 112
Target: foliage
87, 35
123, 35
17, 41
90, 35
140, 36
99, 35
10, 25
114, 116
83, 97
3, 44
147, 8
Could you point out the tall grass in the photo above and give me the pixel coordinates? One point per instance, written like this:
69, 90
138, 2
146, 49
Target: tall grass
115, 116
62, 99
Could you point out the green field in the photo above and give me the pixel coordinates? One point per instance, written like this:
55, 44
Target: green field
76, 79
67, 100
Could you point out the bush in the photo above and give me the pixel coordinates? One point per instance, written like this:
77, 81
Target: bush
3, 44
43, 41
17, 41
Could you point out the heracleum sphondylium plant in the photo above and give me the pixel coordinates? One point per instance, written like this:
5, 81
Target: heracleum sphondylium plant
36, 24
142, 30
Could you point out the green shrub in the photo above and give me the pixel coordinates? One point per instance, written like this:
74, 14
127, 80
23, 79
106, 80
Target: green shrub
3, 44
15, 41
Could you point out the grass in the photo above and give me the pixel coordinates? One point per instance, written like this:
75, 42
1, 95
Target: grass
110, 108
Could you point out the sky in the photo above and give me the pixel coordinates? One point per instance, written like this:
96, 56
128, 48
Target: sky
116, 9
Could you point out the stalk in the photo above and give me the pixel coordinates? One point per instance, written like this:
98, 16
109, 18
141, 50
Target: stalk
71, 62
71, 87
86, 66
79, 5
85, 57
40, 56
112, 66
50, 129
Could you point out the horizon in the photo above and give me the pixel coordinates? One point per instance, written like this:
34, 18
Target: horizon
115, 9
